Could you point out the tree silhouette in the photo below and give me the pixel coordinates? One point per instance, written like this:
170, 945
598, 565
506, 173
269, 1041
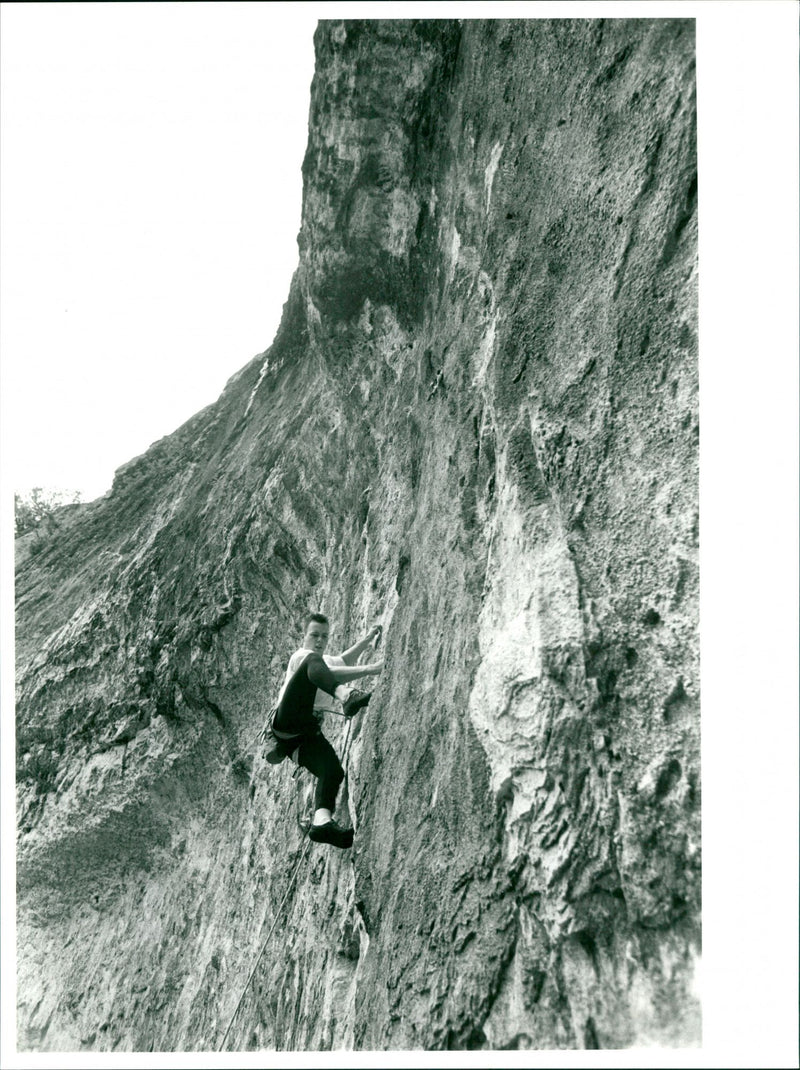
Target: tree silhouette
38, 505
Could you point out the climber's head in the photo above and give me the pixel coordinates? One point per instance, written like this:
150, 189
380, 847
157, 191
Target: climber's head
316, 636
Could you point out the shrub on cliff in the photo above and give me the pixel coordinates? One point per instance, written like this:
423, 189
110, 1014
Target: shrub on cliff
38, 505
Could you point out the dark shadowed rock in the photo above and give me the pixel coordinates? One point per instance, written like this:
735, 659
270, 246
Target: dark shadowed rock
477, 425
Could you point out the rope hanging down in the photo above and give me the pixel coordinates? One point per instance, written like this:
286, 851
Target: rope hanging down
263, 948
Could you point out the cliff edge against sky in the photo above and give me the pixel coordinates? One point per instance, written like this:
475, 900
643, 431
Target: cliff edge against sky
478, 426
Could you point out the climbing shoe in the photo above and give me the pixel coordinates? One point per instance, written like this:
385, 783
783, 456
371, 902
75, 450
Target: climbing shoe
354, 701
331, 833
275, 756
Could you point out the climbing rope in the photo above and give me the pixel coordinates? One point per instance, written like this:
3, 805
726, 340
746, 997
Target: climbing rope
346, 753
301, 859
264, 945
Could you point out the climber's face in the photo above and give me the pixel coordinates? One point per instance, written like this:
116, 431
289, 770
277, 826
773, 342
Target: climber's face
316, 637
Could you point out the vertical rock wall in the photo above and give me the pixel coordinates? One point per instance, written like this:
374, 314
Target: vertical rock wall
478, 426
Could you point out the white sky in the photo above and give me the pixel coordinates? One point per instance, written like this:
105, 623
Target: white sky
151, 195
149, 180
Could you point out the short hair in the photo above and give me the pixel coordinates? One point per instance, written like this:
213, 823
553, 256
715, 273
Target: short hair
315, 618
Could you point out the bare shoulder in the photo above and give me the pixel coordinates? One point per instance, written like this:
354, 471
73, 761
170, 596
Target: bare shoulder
296, 659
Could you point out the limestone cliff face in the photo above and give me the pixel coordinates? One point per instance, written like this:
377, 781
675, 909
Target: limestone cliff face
478, 426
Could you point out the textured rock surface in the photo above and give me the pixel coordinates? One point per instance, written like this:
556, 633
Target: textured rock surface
477, 425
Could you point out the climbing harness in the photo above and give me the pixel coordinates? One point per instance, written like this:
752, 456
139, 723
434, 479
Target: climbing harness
301, 859
269, 734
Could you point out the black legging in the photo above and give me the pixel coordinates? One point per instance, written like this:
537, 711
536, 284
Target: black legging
295, 715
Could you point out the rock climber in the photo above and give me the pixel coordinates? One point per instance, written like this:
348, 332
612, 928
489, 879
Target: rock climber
313, 684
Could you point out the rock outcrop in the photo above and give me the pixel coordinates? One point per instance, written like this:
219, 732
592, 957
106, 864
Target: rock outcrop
478, 426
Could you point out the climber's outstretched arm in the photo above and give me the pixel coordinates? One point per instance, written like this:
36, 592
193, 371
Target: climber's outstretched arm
350, 657
345, 673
